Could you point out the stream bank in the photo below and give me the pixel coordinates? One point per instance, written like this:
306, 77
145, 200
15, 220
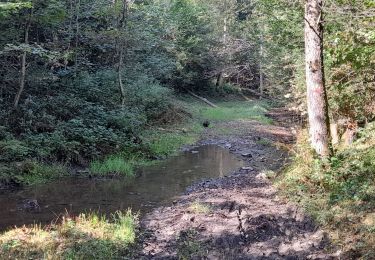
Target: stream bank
238, 216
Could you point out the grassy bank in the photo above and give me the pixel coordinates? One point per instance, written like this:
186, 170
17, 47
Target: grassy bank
234, 110
30, 172
85, 237
339, 194
156, 144
95, 237
152, 143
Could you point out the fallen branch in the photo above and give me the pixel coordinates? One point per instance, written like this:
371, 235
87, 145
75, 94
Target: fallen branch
203, 99
245, 97
255, 93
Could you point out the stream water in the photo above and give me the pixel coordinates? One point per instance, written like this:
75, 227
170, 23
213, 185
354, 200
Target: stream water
155, 185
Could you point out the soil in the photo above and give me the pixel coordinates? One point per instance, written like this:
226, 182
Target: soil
238, 216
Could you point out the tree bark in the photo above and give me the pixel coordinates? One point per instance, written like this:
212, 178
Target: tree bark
121, 46
261, 77
77, 9
119, 74
334, 133
23, 64
205, 100
316, 93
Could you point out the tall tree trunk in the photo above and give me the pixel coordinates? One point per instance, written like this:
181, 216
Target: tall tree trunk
23, 64
316, 93
77, 7
119, 74
121, 46
261, 78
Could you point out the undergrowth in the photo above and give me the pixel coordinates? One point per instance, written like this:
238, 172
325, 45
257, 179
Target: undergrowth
30, 172
85, 237
145, 145
339, 194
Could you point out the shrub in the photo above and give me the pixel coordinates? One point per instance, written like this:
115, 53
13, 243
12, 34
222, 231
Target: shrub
339, 193
38, 173
13, 150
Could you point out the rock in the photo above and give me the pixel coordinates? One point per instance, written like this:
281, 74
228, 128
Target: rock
248, 168
262, 176
248, 155
283, 249
194, 152
30, 205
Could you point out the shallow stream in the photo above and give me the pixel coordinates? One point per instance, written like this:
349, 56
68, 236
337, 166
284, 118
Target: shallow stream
154, 186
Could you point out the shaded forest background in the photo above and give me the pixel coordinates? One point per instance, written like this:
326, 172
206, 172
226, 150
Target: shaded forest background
96, 72
94, 83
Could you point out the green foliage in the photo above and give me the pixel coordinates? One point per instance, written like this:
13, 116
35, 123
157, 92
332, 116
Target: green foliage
37, 172
89, 236
339, 193
30, 172
7, 8
13, 149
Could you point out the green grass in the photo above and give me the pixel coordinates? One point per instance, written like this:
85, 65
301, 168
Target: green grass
165, 144
228, 111
85, 237
40, 173
114, 165
339, 194
200, 208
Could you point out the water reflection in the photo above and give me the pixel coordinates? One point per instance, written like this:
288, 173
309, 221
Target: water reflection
154, 186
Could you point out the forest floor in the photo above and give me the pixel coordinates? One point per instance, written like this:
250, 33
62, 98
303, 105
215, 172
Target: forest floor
239, 216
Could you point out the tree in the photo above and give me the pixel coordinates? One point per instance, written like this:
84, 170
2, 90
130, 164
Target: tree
316, 93
23, 63
121, 25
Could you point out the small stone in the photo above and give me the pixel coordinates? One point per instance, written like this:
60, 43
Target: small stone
249, 155
194, 152
248, 168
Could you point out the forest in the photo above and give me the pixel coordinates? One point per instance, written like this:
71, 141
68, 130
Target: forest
108, 96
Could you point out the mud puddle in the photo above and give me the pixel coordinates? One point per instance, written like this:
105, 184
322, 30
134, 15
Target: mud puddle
155, 186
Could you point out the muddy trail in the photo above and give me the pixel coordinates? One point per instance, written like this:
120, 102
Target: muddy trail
238, 216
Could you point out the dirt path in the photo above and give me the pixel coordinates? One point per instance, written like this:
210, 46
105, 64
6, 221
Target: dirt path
240, 216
